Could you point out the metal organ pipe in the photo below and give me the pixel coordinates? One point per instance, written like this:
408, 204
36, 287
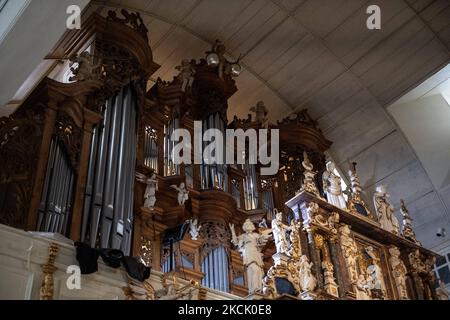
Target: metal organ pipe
54, 209
215, 267
109, 195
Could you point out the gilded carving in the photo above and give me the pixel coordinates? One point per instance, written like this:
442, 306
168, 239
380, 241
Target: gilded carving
133, 19
146, 251
47, 286
356, 204
407, 230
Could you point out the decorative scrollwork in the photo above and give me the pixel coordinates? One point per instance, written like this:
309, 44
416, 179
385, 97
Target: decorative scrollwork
20, 141
215, 234
71, 136
301, 117
134, 20
146, 252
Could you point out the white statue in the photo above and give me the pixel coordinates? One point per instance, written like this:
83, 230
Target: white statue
279, 233
399, 271
183, 193
362, 288
186, 74
249, 244
309, 183
442, 292
194, 228
375, 280
307, 281
350, 251
332, 187
385, 211
150, 190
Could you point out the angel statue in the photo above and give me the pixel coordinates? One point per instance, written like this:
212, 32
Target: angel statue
375, 280
249, 244
150, 190
186, 74
307, 281
332, 187
385, 211
183, 193
279, 232
194, 229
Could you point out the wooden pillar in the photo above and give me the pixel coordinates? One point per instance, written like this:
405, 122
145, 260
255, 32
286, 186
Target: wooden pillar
90, 119
315, 249
47, 133
342, 276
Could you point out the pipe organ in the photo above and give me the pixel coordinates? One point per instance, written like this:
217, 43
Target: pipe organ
71, 153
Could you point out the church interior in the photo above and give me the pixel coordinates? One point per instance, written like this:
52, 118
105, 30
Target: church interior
225, 150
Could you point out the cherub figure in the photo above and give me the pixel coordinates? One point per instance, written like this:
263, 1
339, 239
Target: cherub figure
186, 74
183, 193
150, 190
194, 229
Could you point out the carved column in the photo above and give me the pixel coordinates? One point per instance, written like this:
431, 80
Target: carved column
315, 247
147, 224
50, 117
341, 272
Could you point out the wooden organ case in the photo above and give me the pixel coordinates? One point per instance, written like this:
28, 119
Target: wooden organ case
72, 152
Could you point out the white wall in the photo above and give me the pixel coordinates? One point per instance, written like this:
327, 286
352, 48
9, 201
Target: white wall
22, 256
30, 29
